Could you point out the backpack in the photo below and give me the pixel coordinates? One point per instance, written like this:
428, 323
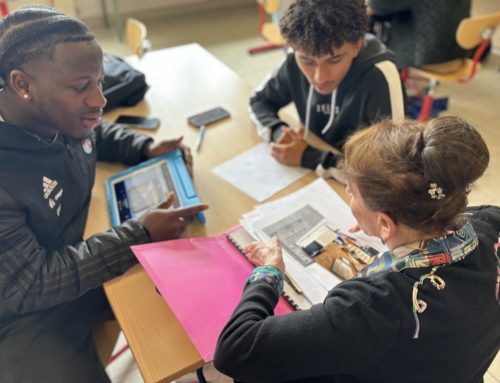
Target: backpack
123, 84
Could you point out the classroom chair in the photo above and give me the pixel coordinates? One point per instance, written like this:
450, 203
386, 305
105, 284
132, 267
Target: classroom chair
105, 335
136, 36
472, 32
268, 30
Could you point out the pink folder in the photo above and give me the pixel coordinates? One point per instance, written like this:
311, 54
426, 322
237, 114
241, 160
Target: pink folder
202, 281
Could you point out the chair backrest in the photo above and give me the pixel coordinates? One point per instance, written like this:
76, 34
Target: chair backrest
472, 30
270, 6
476, 32
136, 34
4, 9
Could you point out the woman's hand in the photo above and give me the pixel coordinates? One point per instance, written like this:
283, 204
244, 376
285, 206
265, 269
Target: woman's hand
261, 254
354, 229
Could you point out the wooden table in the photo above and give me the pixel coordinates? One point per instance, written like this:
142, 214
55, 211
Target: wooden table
184, 80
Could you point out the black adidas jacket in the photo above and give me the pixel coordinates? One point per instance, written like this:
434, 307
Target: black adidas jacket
45, 191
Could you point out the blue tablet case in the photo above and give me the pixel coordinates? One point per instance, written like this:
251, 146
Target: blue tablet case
177, 174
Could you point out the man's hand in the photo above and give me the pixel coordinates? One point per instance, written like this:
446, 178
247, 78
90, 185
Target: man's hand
261, 254
162, 147
289, 148
163, 224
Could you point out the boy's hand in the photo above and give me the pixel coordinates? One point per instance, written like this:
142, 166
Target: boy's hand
284, 137
289, 148
162, 147
163, 224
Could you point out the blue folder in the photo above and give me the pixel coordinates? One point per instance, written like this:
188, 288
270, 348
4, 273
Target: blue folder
133, 191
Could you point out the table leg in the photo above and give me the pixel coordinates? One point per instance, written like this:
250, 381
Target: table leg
118, 20
200, 376
105, 13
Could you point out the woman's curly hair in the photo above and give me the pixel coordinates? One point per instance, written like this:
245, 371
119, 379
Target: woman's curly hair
318, 26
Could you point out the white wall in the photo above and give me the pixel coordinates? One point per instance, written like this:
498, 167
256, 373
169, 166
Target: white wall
66, 6
92, 8
90, 11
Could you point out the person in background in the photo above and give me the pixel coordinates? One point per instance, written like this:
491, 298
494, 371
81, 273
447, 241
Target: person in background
421, 32
339, 78
51, 102
426, 310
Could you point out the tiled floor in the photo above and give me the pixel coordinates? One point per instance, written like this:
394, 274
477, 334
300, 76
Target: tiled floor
228, 34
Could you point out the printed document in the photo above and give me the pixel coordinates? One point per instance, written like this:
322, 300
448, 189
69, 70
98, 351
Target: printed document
256, 173
309, 212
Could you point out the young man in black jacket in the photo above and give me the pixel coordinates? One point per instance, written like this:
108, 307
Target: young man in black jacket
51, 102
339, 79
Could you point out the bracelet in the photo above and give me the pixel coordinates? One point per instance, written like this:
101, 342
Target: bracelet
270, 274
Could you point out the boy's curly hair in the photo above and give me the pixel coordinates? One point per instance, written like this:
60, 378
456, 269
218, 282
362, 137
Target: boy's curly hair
318, 26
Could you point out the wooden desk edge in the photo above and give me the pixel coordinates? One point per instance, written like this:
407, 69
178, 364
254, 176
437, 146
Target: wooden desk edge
152, 369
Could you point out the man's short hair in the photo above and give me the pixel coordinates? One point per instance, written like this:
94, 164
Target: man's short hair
31, 33
318, 26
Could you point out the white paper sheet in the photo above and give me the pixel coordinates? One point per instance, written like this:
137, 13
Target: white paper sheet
314, 280
256, 173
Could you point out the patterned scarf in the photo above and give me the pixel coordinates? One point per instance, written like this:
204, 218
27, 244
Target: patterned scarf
433, 253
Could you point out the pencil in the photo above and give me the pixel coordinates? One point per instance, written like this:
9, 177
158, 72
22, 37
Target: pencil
292, 283
201, 135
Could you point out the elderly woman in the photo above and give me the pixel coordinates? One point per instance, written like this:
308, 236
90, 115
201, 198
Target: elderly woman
426, 310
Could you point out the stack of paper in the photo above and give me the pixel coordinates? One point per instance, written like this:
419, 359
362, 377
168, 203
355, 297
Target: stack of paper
291, 219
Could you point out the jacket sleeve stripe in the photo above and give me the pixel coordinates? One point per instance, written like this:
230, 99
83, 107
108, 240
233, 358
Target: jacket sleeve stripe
391, 74
263, 131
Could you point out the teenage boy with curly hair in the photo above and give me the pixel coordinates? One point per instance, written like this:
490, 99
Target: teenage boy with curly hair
339, 78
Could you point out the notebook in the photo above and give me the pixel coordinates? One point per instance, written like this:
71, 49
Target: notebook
202, 281
240, 238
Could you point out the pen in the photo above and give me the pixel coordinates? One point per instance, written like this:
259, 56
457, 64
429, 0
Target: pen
351, 241
292, 283
199, 141
345, 235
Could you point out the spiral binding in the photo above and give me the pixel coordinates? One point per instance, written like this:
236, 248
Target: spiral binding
241, 249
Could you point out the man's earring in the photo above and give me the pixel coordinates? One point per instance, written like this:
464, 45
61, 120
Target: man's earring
26, 96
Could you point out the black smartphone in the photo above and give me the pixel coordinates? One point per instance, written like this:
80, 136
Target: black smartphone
139, 122
208, 117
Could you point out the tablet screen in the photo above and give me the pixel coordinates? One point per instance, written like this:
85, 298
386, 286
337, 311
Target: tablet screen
142, 189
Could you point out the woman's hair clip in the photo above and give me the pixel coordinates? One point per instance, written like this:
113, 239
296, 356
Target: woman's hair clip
435, 191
